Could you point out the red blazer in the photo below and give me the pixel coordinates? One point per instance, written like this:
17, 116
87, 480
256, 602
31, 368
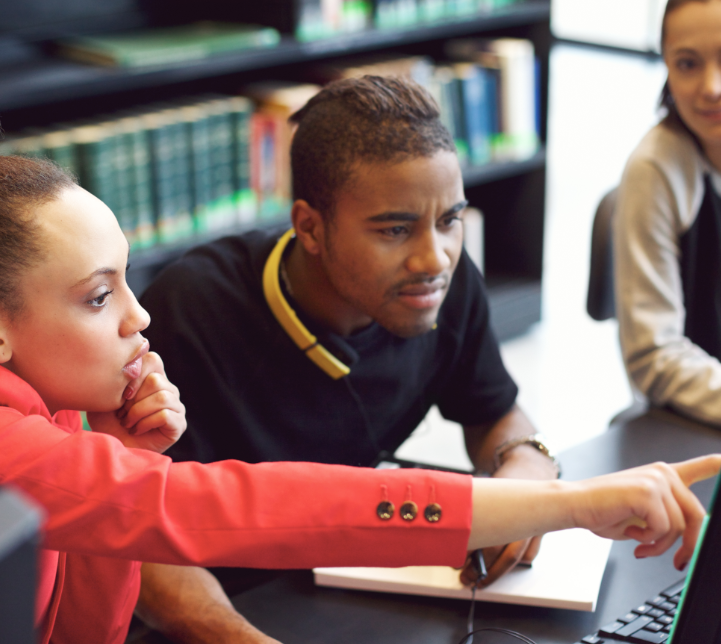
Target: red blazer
108, 508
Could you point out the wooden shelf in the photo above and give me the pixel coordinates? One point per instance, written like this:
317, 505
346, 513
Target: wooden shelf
41, 80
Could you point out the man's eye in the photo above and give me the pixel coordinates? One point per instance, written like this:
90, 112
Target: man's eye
394, 231
449, 221
99, 301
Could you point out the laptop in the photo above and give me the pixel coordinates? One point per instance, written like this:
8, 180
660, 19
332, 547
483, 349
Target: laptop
689, 612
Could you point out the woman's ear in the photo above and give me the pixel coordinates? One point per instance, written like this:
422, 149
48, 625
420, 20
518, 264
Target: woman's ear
5, 350
309, 226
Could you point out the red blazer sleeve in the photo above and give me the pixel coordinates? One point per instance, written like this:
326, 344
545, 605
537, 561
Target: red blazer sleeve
103, 499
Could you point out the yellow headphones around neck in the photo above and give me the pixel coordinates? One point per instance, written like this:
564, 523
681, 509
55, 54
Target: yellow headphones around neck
288, 319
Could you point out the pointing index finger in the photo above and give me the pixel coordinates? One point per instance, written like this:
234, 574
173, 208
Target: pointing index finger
698, 469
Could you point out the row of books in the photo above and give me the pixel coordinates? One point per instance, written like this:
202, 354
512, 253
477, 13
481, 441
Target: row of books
308, 20
167, 173
322, 18
488, 92
207, 164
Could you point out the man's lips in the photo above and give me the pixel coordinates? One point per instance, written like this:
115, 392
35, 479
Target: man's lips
423, 296
135, 366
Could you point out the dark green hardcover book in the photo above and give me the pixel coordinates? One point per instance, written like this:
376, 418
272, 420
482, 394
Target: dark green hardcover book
124, 207
135, 137
179, 133
222, 212
167, 46
95, 152
29, 144
245, 198
201, 162
58, 145
161, 163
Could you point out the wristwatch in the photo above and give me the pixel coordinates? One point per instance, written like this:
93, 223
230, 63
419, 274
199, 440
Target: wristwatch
534, 440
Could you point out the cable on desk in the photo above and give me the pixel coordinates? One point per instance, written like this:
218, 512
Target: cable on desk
504, 631
479, 566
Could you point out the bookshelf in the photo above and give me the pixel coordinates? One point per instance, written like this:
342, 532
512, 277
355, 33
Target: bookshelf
39, 90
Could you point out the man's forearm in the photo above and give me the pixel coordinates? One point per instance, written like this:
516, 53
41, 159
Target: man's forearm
523, 461
189, 606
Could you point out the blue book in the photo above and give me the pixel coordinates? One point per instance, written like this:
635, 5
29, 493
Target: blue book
476, 112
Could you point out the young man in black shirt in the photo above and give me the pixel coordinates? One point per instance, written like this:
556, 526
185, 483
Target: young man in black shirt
331, 341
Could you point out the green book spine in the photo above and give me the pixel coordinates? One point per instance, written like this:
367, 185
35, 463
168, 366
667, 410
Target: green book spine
122, 169
29, 146
95, 152
222, 211
245, 198
60, 148
179, 133
200, 165
161, 162
7, 147
142, 186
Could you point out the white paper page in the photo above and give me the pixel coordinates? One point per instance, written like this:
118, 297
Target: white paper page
566, 574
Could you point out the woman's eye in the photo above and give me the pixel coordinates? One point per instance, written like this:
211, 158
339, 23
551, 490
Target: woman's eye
99, 301
685, 64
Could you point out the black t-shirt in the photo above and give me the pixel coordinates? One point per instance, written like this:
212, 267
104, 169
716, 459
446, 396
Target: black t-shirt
251, 394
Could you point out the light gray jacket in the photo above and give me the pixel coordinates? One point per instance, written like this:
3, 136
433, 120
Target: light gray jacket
660, 195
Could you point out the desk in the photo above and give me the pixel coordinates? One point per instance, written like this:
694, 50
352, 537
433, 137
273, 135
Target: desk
294, 611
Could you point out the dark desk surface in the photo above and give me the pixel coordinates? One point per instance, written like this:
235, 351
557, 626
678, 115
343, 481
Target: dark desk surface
294, 611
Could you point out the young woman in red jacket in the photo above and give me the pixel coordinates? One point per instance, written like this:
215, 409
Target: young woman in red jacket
70, 339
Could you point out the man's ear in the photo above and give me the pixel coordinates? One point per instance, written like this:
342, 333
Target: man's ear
309, 226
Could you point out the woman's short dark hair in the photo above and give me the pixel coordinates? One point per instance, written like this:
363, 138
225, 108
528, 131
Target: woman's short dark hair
361, 120
24, 184
666, 102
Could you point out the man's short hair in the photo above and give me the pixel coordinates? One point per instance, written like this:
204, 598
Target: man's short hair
372, 119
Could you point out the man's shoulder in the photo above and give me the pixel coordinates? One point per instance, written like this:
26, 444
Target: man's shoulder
232, 264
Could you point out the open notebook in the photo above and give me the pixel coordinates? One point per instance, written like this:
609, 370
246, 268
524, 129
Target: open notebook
566, 574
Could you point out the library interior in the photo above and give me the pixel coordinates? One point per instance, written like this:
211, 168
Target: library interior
511, 207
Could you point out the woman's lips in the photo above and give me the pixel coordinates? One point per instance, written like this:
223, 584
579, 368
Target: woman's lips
711, 115
134, 368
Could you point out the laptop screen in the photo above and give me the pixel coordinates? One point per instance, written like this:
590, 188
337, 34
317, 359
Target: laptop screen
699, 616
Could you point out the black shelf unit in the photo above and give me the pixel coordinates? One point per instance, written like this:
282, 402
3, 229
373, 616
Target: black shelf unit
38, 89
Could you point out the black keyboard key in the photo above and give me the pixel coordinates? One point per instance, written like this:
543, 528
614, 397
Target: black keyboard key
674, 590
610, 629
646, 637
667, 606
657, 601
654, 627
592, 639
643, 609
635, 625
628, 617
655, 612
666, 620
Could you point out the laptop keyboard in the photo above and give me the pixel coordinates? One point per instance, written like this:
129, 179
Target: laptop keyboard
650, 622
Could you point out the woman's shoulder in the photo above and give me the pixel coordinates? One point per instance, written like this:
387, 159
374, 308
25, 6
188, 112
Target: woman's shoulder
664, 178
671, 150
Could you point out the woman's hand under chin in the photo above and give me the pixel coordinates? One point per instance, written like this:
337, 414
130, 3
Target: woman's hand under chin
152, 416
